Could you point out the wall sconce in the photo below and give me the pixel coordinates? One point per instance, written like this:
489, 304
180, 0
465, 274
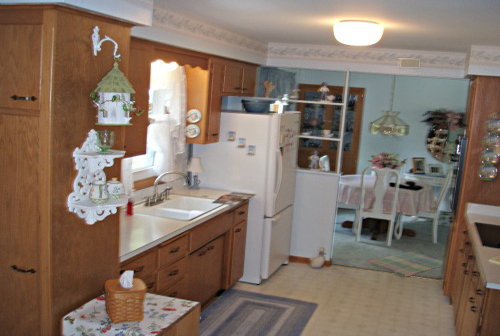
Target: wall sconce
113, 96
195, 167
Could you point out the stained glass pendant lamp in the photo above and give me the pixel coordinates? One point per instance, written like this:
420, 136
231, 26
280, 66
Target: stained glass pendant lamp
390, 124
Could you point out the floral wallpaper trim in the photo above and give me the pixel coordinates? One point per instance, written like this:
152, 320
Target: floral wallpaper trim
168, 20
485, 55
379, 56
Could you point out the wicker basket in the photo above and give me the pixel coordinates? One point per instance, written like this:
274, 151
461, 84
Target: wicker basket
124, 304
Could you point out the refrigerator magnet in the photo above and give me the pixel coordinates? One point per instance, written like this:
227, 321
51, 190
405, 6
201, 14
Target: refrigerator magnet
251, 150
242, 142
231, 136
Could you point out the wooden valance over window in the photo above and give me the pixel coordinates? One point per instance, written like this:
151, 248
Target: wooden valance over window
181, 58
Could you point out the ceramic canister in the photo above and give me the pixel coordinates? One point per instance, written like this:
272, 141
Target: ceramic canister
115, 188
99, 192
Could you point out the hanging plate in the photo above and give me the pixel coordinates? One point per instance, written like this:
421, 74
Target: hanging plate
193, 116
192, 131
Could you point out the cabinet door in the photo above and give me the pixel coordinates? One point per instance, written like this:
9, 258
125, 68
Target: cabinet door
214, 105
21, 54
19, 226
205, 271
238, 252
233, 78
249, 80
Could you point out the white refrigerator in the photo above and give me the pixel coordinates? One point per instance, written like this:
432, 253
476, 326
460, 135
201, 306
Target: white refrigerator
257, 153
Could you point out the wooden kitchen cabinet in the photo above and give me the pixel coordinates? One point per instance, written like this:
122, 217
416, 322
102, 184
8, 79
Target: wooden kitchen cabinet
238, 78
199, 263
477, 308
47, 57
205, 271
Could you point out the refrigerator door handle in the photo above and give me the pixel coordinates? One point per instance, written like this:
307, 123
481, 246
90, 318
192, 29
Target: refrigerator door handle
279, 179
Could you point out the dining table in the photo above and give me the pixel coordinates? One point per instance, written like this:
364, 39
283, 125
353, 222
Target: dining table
410, 202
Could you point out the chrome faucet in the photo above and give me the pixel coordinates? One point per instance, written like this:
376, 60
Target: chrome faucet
158, 198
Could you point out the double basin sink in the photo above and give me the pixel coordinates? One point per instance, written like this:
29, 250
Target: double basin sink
179, 207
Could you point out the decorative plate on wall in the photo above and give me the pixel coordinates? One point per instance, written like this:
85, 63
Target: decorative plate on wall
193, 116
192, 131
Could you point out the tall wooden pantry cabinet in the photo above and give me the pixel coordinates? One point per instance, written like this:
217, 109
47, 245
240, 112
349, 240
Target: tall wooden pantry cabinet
51, 260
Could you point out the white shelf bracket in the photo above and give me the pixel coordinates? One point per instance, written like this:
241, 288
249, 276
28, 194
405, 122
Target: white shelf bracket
97, 42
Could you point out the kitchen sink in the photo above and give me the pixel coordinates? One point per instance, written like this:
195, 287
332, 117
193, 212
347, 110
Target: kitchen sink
489, 234
179, 207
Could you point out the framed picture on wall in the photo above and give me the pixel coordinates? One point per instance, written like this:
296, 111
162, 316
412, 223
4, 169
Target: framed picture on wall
418, 165
434, 169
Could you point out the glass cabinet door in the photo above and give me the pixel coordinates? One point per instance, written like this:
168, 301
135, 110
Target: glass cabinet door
320, 127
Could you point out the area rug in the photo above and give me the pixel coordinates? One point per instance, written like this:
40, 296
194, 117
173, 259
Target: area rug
407, 264
239, 313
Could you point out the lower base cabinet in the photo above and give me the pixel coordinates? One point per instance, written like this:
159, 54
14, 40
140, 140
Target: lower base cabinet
197, 264
205, 271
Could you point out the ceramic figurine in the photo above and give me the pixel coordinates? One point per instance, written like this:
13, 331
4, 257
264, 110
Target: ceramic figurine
115, 188
319, 261
314, 160
99, 192
323, 91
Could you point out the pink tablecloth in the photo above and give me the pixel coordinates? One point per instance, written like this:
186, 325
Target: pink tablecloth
410, 202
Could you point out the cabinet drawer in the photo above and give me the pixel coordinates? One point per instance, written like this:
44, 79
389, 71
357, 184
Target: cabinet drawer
150, 282
171, 274
241, 214
143, 266
177, 290
210, 230
172, 251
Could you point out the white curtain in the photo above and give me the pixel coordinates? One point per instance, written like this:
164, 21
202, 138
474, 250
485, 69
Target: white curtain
168, 118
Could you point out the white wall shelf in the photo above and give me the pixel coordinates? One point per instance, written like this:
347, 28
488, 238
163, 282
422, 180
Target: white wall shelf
90, 166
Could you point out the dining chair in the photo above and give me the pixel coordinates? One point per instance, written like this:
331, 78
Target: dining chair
434, 213
383, 177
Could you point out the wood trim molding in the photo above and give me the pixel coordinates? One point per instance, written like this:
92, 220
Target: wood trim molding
303, 260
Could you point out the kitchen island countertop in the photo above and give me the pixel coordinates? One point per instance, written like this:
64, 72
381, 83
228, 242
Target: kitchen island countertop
139, 232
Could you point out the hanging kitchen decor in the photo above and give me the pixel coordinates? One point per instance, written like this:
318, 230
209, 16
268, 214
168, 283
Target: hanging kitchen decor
113, 96
390, 124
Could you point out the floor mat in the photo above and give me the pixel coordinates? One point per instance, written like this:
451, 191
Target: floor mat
407, 264
243, 313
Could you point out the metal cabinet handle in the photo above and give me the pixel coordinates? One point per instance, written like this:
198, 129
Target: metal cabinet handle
241, 213
237, 88
472, 300
210, 248
237, 230
28, 98
464, 264
473, 309
471, 257
475, 273
202, 253
175, 250
466, 272
215, 134
173, 273
479, 292
22, 270
244, 89
467, 243
150, 285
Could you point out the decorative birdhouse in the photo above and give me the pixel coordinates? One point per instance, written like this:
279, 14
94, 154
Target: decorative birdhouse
113, 98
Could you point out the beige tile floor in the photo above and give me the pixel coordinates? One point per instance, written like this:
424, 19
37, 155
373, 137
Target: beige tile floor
362, 302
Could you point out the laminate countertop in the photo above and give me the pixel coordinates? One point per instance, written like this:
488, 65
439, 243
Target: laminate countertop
140, 232
487, 214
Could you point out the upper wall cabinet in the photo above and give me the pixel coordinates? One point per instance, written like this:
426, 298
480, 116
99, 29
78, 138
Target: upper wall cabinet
238, 78
206, 80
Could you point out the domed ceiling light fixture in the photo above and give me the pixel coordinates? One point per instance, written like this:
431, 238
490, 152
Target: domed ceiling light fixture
358, 33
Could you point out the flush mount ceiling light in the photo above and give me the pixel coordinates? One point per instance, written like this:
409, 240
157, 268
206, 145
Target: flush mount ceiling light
358, 33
